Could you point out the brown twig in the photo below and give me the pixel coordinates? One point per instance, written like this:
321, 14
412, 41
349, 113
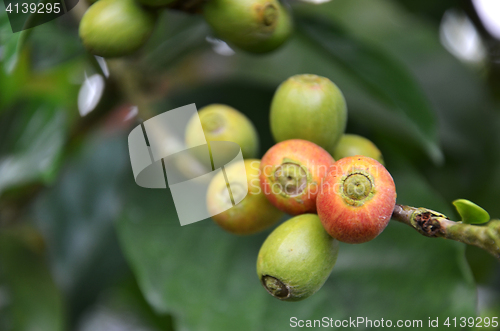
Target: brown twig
433, 224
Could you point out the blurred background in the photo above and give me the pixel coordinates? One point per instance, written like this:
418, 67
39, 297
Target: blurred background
82, 247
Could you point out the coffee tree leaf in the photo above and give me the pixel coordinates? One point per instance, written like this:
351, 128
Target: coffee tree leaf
34, 301
381, 75
75, 216
31, 143
470, 212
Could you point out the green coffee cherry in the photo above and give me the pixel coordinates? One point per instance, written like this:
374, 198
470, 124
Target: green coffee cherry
279, 36
112, 28
155, 3
352, 145
297, 258
224, 123
252, 214
309, 107
256, 26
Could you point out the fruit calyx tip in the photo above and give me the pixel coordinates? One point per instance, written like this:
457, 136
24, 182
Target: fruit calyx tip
357, 186
275, 287
292, 178
308, 79
213, 123
270, 14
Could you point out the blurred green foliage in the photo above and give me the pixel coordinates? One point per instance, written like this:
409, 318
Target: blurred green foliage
82, 247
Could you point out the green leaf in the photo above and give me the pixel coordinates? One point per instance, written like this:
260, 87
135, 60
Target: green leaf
124, 306
381, 75
35, 303
76, 215
470, 212
12, 84
52, 46
9, 41
207, 279
31, 141
176, 35
14, 42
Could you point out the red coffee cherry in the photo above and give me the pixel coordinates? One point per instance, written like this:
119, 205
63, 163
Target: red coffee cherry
291, 175
356, 200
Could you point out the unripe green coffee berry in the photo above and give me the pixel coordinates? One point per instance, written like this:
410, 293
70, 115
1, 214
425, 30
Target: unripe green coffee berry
280, 35
155, 3
224, 123
252, 214
351, 145
297, 258
256, 26
309, 107
112, 28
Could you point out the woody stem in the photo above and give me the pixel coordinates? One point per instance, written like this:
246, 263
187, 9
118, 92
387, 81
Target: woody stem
433, 224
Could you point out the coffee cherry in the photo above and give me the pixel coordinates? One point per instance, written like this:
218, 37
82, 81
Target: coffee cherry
156, 3
297, 258
256, 26
279, 36
252, 214
291, 175
112, 28
309, 107
224, 123
352, 145
356, 200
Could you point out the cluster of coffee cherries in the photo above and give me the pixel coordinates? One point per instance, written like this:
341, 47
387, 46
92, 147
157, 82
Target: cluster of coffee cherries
349, 200
114, 28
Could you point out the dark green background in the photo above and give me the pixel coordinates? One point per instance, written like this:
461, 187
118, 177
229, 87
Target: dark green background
82, 247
